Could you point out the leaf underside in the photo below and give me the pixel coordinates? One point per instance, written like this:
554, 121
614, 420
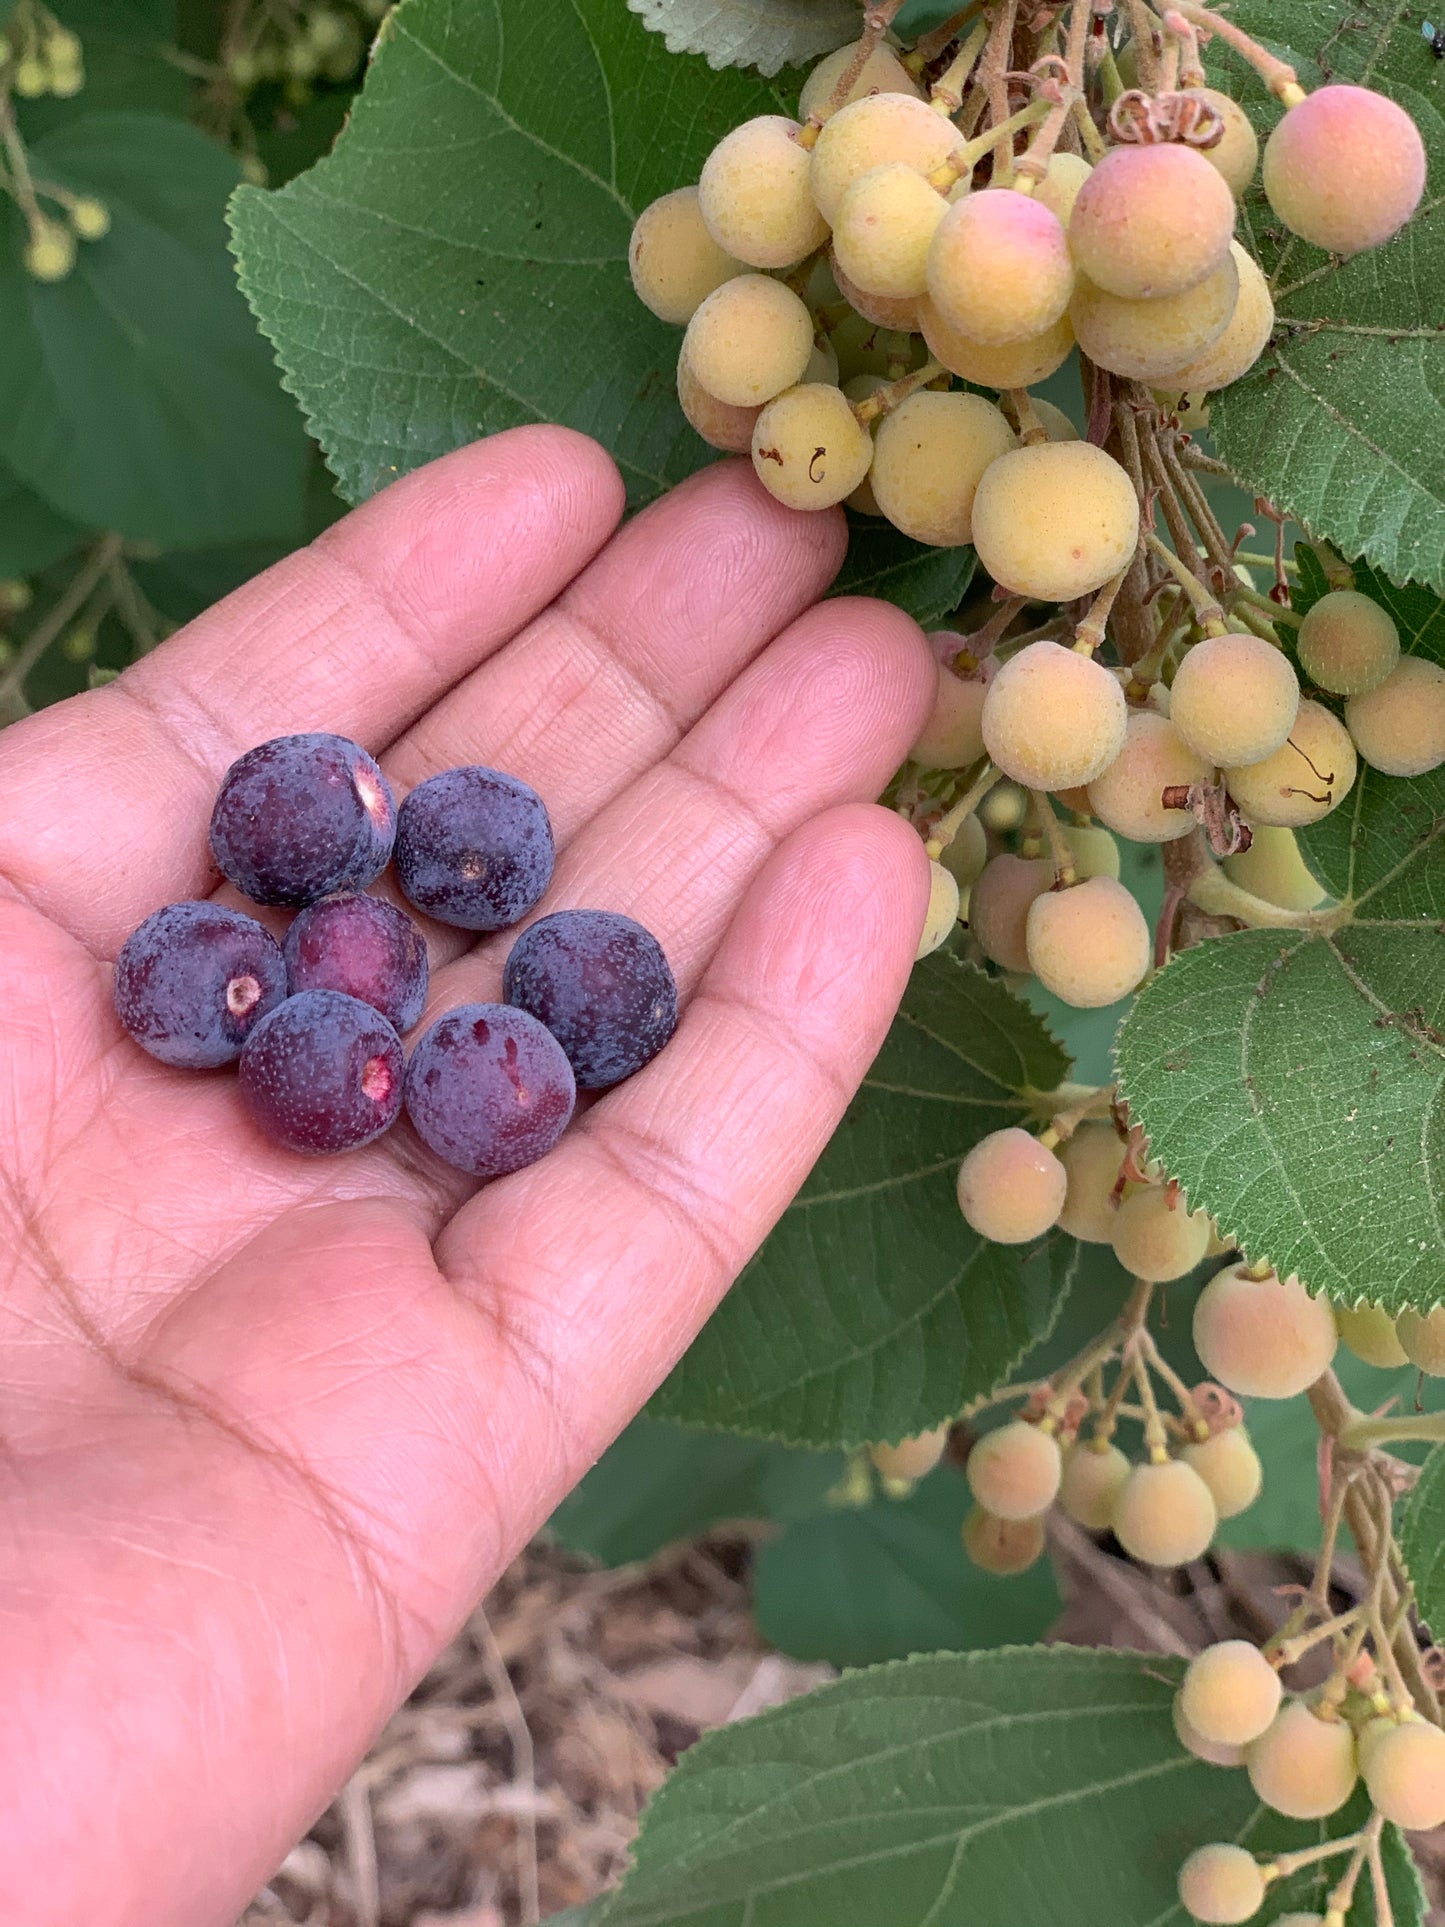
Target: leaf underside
766, 34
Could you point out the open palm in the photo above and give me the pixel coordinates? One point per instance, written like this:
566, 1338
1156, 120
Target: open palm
269, 1426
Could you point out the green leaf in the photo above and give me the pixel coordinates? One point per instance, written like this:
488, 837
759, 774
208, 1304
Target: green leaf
766, 34
860, 1584
136, 395
659, 1483
1422, 1541
575, 1916
458, 264
983, 1790
928, 583
32, 535
873, 1311
1342, 420
1294, 1082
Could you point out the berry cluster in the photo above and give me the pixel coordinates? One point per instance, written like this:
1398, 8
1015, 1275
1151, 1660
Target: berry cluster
38, 56
1304, 1755
315, 1022
849, 279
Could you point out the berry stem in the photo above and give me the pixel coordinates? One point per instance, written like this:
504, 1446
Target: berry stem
1379, 1885
1207, 612
1146, 45
1089, 633
1156, 1434
1060, 849
930, 45
886, 398
946, 93
1184, 1398
1285, 1864
1286, 1652
78, 593
965, 158
1186, 50
1095, 145
1031, 429
1280, 78
948, 827
1361, 1433
20, 183
993, 81
1220, 896
876, 21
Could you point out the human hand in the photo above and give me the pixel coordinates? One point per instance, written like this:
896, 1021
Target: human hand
270, 1426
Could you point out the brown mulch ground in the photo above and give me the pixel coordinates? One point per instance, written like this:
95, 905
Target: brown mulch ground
510, 1784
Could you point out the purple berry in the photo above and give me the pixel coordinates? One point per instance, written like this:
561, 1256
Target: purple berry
300, 817
489, 1089
601, 985
366, 948
474, 848
194, 981
323, 1072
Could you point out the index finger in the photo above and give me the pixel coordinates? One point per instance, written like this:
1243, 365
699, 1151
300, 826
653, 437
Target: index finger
106, 796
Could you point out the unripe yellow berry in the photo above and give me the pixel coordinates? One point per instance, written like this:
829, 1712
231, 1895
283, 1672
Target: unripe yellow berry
1011, 1188
911, 1458
1262, 1338
50, 252
1156, 1236
1230, 1467
1369, 1332
1405, 1774
1091, 1483
1091, 1158
942, 913
90, 218
1212, 1752
1002, 1546
1221, 1884
1165, 1515
1015, 1472
1422, 1338
1301, 1765
1231, 1693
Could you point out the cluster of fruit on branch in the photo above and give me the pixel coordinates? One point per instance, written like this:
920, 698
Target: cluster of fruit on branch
869, 292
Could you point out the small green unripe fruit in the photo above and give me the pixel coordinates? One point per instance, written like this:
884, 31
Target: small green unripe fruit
50, 252
32, 79
1422, 1337
90, 218
910, 1458
1015, 1472
1221, 1884
1369, 1332
1301, 1765
1230, 1693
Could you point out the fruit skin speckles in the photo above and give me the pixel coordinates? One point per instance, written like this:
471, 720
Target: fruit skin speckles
301, 817
363, 947
322, 1073
489, 1089
194, 980
474, 848
602, 986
